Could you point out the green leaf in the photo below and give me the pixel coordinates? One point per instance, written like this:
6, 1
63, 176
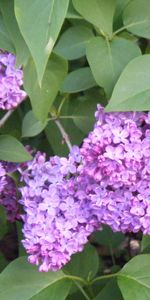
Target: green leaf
3, 262
78, 80
22, 52
84, 264
107, 237
83, 115
72, 13
40, 24
13, 125
98, 12
72, 43
43, 97
145, 244
12, 150
120, 6
110, 292
22, 281
3, 222
134, 278
108, 59
136, 17
132, 90
75, 296
5, 41
55, 139
31, 126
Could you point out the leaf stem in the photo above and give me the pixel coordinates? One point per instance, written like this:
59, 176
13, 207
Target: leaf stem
82, 290
110, 56
90, 290
75, 280
72, 277
103, 277
68, 117
128, 26
61, 104
119, 30
62, 131
73, 117
5, 118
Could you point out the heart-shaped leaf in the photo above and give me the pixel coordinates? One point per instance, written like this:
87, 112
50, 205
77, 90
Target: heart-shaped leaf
134, 278
109, 292
40, 23
132, 90
83, 115
145, 244
136, 17
21, 49
84, 264
43, 97
108, 59
5, 41
78, 80
22, 281
31, 126
73, 42
98, 12
12, 150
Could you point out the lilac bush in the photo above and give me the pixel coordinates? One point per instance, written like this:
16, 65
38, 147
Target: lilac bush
78, 214
106, 181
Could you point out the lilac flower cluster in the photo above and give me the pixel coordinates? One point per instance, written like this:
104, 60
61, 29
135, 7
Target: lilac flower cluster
106, 181
11, 94
116, 163
58, 217
8, 191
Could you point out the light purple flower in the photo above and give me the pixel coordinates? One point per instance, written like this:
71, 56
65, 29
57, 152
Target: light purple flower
106, 181
57, 222
11, 80
116, 165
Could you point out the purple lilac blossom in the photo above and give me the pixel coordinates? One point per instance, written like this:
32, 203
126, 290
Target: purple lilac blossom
104, 182
2, 177
57, 219
11, 80
116, 165
8, 191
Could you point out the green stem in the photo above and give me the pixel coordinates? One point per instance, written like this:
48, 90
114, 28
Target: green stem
62, 130
90, 290
128, 26
82, 290
5, 117
103, 277
67, 117
72, 277
110, 55
75, 280
72, 117
120, 30
61, 104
